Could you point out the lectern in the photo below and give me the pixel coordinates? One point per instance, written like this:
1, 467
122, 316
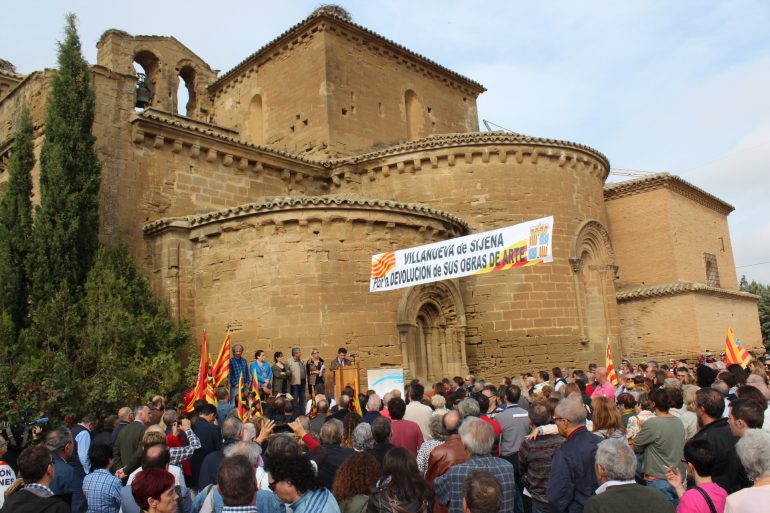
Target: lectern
343, 377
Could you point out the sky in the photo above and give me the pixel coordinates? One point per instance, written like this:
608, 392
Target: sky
679, 86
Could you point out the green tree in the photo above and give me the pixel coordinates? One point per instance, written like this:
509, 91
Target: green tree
763, 291
130, 345
67, 220
16, 226
96, 337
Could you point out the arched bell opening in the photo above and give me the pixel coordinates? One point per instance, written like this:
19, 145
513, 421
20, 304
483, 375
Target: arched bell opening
147, 68
186, 98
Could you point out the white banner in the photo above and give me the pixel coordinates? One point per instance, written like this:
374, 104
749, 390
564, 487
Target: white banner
496, 250
383, 381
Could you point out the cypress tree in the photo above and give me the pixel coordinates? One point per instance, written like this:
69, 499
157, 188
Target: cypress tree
67, 221
16, 225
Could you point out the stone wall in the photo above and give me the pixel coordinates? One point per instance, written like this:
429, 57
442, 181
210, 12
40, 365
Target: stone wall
535, 317
33, 92
280, 99
686, 324
292, 273
374, 94
641, 227
660, 236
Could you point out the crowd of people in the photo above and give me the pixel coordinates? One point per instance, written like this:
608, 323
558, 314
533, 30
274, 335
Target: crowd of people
676, 437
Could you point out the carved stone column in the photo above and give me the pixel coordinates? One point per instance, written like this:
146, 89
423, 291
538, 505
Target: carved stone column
431, 343
446, 333
577, 264
403, 335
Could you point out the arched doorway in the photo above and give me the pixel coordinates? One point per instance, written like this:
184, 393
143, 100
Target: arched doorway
431, 327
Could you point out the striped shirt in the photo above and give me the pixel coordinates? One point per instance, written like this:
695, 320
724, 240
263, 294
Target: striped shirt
535, 457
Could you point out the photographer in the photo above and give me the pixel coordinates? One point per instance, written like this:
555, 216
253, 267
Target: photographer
19, 435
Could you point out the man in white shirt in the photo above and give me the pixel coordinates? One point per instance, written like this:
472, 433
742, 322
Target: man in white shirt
417, 412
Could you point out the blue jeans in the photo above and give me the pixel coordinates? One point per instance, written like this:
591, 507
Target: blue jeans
298, 393
666, 489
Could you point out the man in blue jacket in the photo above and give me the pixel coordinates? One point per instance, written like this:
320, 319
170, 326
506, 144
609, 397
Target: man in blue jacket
66, 483
573, 479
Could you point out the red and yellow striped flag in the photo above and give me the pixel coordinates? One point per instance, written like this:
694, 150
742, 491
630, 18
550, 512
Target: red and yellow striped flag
611, 374
384, 264
255, 400
243, 411
356, 402
203, 385
313, 406
221, 367
734, 351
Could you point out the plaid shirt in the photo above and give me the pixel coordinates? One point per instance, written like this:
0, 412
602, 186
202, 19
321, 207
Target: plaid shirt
238, 368
449, 487
42, 488
102, 491
252, 508
179, 454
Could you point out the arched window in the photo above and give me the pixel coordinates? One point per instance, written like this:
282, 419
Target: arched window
186, 100
415, 116
254, 125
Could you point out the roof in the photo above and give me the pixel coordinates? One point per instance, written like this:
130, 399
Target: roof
669, 181
469, 138
11, 74
218, 132
640, 292
287, 203
335, 17
139, 37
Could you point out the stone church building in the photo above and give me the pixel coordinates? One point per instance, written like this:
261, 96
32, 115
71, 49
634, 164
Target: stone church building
258, 205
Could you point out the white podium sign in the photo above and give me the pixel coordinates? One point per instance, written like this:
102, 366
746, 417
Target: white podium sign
383, 381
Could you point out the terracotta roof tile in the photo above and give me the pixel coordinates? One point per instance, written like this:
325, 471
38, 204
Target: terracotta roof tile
661, 180
640, 292
275, 204
323, 13
469, 138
